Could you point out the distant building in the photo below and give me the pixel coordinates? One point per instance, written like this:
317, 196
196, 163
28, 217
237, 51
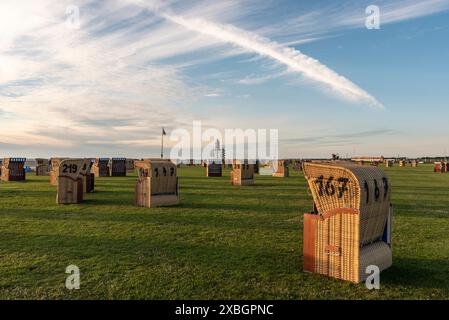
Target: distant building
374, 160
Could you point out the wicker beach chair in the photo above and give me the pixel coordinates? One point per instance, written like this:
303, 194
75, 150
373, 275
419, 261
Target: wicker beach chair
350, 226
70, 184
101, 167
242, 173
157, 184
54, 172
214, 169
439, 167
117, 167
42, 167
13, 169
87, 177
280, 169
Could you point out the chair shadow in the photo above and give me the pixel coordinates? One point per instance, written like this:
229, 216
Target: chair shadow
418, 273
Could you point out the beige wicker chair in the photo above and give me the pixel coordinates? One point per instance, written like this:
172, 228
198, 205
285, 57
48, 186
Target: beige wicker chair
157, 184
350, 227
70, 184
54, 172
281, 168
101, 167
42, 167
242, 173
440, 167
87, 177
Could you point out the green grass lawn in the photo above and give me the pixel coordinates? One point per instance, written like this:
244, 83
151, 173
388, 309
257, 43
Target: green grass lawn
221, 242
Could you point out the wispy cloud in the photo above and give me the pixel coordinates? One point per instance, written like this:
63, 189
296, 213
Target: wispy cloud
323, 21
296, 61
397, 11
129, 67
253, 80
339, 139
213, 95
62, 86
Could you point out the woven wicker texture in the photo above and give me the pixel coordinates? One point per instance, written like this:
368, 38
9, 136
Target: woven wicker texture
280, 168
157, 183
42, 167
54, 172
339, 231
12, 169
55, 162
353, 208
346, 185
101, 167
87, 177
377, 254
70, 184
242, 173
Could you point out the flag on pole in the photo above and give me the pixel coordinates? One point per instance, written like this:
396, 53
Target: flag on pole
162, 143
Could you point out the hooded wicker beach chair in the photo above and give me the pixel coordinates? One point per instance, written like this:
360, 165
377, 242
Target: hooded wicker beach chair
13, 169
54, 172
280, 168
101, 167
441, 167
87, 177
117, 167
70, 184
350, 226
157, 183
42, 167
242, 173
214, 169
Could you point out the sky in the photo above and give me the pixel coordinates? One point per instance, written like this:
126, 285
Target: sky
105, 85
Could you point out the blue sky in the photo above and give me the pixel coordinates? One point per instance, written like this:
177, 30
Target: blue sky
308, 68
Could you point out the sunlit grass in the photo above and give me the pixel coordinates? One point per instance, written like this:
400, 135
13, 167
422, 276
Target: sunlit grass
221, 242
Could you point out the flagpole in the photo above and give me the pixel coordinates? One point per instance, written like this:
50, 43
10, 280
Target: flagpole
162, 144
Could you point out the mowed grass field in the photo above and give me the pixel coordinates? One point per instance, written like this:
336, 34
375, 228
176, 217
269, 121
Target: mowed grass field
221, 242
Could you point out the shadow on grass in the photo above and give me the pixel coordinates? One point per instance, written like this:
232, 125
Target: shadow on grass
172, 246
418, 273
175, 217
